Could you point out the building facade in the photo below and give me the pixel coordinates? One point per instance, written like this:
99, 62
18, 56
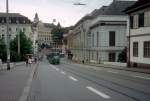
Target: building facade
44, 33
41, 33
139, 35
78, 42
101, 35
17, 23
108, 32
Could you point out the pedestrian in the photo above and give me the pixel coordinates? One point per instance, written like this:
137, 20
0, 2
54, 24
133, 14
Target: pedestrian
29, 61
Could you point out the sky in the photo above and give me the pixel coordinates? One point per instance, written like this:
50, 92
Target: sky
62, 10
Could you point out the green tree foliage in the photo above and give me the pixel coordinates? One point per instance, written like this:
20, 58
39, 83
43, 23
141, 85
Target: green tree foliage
2, 50
25, 47
57, 34
122, 57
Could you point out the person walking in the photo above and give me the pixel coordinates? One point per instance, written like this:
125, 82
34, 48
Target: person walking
29, 61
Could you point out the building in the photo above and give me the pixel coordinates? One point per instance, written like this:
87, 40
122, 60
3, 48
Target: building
41, 33
108, 32
44, 33
17, 23
78, 39
139, 35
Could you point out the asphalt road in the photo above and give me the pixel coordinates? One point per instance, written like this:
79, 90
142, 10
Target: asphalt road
75, 82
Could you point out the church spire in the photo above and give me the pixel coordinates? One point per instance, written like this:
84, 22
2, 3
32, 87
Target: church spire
36, 18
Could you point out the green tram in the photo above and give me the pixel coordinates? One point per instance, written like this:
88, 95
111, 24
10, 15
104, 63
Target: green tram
54, 57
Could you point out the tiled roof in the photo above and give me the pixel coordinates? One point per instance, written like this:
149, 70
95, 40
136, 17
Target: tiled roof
14, 17
49, 25
140, 4
117, 7
11, 15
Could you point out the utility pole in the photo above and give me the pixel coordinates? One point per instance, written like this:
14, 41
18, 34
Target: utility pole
18, 37
7, 37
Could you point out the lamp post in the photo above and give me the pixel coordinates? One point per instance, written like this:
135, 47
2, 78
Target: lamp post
18, 31
7, 37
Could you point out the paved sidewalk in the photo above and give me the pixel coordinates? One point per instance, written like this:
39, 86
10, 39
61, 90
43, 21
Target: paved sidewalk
133, 69
140, 70
12, 65
13, 82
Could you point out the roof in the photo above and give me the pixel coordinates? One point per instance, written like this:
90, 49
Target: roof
140, 4
87, 17
49, 25
117, 7
11, 15
14, 17
99, 11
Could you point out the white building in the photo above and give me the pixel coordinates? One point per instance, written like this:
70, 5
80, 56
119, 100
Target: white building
44, 33
17, 22
139, 35
79, 39
41, 33
108, 32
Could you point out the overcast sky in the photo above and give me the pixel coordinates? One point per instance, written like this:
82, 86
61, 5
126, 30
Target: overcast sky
62, 10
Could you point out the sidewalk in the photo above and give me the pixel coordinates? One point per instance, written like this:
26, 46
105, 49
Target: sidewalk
140, 70
12, 65
133, 69
12, 82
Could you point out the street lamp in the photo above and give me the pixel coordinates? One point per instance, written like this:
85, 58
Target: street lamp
7, 37
18, 31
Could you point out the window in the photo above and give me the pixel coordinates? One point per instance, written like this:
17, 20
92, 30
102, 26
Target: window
24, 29
93, 39
135, 21
147, 49
141, 20
97, 39
147, 18
112, 38
112, 57
135, 49
131, 22
9, 29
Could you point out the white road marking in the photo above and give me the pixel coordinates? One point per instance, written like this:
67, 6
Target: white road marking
112, 72
142, 77
63, 73
98, 92
57, 69
53, 66
72, 78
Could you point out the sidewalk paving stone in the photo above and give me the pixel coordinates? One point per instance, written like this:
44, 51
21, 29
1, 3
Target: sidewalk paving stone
12, 82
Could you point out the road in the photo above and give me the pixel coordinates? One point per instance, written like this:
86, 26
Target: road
76, 82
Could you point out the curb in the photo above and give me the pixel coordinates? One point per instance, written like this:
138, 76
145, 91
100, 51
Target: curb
121, 69
114, 68
12, 65
26, 90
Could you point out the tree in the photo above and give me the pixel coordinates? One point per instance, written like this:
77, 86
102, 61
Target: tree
25, 47
122, 57
57, 34
3, 54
